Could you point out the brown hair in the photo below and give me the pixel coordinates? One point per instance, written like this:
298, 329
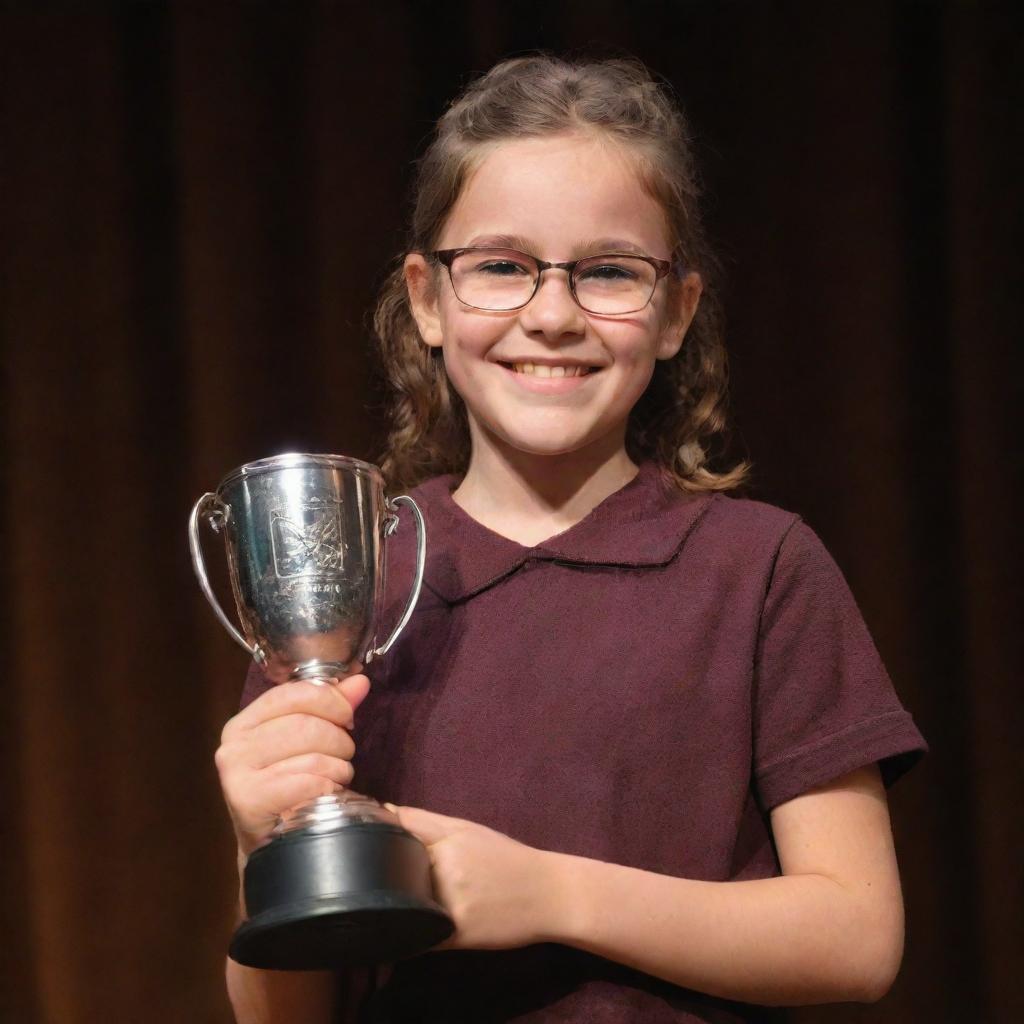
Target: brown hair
683, 408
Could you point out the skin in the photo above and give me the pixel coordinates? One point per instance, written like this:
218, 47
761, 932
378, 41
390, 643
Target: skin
541, 459
831, 927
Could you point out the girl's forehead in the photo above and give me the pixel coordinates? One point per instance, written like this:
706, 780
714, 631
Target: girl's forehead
560, 192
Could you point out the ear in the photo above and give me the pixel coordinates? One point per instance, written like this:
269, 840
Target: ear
423, 298
683, 301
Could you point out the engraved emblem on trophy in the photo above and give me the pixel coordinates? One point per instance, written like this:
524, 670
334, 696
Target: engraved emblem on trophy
341, 882
313, 546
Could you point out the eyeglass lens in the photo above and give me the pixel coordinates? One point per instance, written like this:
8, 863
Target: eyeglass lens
500, 279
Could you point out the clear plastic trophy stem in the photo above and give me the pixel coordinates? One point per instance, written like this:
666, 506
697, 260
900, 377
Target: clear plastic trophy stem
341, 882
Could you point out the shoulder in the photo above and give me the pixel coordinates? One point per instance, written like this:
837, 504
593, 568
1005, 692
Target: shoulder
746, 530
776, 545
433, 499
750, 517
433, 491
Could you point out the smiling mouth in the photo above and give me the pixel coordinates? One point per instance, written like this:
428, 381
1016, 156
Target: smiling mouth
542, 370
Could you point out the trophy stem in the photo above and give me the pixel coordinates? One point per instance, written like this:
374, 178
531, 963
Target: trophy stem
333, 811
316, 671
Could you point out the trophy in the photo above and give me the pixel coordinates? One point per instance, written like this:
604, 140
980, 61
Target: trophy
340, 882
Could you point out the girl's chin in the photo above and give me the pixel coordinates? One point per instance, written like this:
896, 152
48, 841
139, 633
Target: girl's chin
548, 436
549, 444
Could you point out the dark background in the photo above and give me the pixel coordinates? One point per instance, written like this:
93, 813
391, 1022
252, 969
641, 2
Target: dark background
198, 203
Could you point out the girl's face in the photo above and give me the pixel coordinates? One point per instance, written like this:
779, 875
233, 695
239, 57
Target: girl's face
556, 198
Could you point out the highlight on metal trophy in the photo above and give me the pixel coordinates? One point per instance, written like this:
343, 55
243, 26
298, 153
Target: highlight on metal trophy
341, 882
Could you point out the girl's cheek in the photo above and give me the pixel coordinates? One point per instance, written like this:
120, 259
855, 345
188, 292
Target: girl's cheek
469, 331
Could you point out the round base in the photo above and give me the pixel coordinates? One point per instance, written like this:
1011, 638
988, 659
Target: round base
361, 928
358, 895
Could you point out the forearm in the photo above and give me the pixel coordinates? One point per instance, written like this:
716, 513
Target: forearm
278, 997
791, 940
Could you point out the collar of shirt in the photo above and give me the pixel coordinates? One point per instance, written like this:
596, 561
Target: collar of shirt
642, 525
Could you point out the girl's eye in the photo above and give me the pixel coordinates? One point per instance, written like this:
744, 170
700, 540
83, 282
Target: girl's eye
610, 272
500, 268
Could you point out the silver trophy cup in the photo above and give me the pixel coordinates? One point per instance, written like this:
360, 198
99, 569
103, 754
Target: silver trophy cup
341, 882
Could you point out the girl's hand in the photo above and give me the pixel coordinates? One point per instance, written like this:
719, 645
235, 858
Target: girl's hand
500, 893
288, 746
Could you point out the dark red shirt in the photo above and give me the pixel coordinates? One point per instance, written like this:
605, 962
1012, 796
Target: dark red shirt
641, 689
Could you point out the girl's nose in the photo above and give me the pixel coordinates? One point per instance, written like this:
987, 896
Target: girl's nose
553, 311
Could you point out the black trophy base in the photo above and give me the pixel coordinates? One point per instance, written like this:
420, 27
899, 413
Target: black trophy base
358, 895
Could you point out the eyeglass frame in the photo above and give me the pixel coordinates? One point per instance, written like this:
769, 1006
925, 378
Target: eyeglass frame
662, 268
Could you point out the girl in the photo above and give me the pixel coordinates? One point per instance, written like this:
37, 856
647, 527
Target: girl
638, 723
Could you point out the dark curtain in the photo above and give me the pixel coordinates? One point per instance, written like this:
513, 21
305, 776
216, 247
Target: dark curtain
198, 202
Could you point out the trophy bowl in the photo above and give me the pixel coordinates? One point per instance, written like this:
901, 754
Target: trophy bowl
341, 882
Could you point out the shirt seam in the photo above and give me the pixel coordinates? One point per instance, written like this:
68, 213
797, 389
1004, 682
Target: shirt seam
814, 745
755, 675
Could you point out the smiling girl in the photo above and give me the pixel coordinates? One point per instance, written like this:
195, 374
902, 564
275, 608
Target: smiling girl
638, 722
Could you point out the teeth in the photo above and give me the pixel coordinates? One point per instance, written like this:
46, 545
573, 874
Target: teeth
540, 370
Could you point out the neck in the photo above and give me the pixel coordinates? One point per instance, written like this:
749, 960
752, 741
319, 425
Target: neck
529, 498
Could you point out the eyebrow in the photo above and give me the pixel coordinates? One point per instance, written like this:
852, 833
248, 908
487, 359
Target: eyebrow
580, 248
599, 245
500, 242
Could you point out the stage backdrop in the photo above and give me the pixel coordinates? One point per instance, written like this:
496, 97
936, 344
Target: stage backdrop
198, 203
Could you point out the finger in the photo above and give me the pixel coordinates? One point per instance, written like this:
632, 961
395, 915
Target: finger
279, 794
354, 689
291, 735
427, 826
333, 769
291, 698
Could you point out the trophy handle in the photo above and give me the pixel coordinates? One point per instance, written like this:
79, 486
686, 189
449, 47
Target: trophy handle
217, 516
421, 558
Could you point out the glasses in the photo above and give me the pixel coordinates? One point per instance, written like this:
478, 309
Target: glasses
500, 280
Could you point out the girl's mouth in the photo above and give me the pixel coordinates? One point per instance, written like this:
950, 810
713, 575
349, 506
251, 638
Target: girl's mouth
543, 379
544, 370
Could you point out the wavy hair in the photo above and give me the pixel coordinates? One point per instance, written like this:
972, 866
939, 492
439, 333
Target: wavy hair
681, 416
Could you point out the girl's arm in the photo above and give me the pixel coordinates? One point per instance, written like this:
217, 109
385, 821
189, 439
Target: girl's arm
269, 997
829, 929
287, 746
266, 997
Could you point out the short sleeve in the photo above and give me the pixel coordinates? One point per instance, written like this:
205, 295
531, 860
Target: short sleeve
823, 701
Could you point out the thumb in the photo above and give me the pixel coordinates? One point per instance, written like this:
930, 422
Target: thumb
354, 689
426, 826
